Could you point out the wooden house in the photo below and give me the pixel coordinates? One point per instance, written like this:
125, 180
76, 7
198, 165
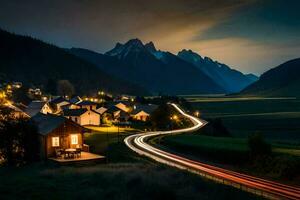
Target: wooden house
89, 105
57, 132
143, 112
83, 116
124, 105
36, 107
58, 103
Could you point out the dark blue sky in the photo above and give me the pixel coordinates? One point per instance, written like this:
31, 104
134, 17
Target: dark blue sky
249, 35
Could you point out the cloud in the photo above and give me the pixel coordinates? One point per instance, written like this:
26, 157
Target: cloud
250, 35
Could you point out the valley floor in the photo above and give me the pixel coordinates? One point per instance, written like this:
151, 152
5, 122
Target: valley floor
126, 176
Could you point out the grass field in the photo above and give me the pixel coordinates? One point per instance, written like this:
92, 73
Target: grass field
126, 176
233, 153
225, 144
276, 118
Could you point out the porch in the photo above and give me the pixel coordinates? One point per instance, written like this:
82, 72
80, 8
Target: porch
84, 156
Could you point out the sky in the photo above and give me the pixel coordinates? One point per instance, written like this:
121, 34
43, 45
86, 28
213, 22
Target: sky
249, 35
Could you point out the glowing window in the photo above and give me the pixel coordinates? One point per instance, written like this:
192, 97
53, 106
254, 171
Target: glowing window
74, 139
55, 141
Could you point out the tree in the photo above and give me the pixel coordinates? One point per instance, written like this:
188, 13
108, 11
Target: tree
65, 88
160, 118
18, 139
258, 146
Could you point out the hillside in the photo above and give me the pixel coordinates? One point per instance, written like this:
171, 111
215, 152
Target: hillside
37, 63
230, 79
283, 80
139, 63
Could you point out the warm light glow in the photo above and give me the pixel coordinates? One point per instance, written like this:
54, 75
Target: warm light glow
74, 139
197, 113
55, 141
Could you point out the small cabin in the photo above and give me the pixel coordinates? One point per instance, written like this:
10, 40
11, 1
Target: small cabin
36, 107
58, 132
89, 105
143, 112
83, 116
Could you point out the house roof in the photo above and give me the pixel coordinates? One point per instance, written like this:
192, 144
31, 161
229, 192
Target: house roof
126, 103
113, 109
87, 103
75, 100
16, 109
58, 100
74, 112
147, 108
101, 110
47, 123
34, 107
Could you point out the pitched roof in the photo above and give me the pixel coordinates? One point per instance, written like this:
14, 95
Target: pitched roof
47, 123
101, 110
75, 100
87, 103
148, 108
34, 107
74, 112
58, 100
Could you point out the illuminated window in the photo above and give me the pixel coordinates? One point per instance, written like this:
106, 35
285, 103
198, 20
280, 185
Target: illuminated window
74, 139
55, 141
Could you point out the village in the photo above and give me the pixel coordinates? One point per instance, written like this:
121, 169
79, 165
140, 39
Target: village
63, 121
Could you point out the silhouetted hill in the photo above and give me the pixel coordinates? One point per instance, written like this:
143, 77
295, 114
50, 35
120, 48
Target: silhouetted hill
283, 80
37, 63
141, 63
229, 79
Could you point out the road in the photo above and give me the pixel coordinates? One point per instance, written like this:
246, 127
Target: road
138, 143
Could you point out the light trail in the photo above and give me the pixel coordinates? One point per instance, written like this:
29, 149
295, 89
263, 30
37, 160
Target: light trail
267, 188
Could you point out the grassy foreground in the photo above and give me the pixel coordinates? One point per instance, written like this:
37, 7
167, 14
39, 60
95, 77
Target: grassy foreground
233, 153
125, 176
275, 118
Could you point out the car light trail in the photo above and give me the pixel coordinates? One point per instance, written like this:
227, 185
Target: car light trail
267, 188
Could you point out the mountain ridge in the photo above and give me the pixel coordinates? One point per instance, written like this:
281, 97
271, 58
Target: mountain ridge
37, 63
230, 79
144, 67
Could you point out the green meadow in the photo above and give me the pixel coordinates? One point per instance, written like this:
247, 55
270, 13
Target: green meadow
278, 119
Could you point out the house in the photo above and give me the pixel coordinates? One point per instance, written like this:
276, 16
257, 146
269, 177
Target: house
17, 112
83, 116
101, 110
117, 114
124, 105
75, 100
57, 132
58, 103
70, 106
143, 112
36, 107
88, 105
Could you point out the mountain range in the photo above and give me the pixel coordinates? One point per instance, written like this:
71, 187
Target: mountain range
37, 63
231, 80
283, 80
164, 72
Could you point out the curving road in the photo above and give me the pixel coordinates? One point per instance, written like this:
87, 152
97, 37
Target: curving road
138, 143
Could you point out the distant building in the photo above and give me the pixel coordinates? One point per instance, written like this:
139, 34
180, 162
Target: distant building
75, 100
36, 107
16, 85
35, 91
124, 105
17, 112
83, 116
143, 112
58, 103
88, 105
57, 132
